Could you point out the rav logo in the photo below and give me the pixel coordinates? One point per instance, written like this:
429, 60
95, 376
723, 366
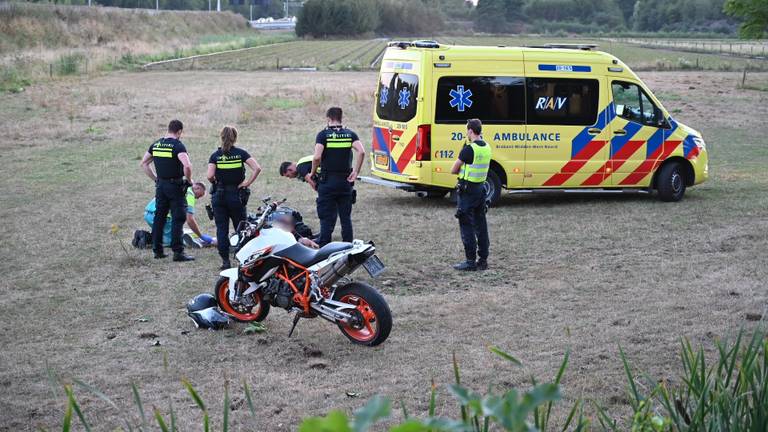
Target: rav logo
551, 103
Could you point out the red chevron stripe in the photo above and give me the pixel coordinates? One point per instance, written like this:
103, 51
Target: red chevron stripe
407, 154
618, 159
649, 165
693, 153
575, 164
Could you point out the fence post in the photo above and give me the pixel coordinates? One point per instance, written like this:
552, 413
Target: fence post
744, 77
277, 63
86, 66
50, 70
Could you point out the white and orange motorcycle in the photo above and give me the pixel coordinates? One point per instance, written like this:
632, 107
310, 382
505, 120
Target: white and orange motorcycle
276, 270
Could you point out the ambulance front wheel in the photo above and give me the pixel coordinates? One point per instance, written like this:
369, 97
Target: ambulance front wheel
670, 183
492, 188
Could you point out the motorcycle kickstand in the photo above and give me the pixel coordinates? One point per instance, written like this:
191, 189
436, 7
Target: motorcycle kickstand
296, 319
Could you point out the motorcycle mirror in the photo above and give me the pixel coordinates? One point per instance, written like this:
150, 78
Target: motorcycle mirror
234, 240
266, 199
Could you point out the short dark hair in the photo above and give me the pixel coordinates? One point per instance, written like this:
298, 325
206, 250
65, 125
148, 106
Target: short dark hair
175, 126
475, 126
284, 167
334, 113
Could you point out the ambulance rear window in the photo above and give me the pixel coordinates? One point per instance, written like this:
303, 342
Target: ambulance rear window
494, 100
562, 101
396, 100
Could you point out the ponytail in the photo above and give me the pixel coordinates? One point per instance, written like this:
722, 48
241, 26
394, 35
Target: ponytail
228, 138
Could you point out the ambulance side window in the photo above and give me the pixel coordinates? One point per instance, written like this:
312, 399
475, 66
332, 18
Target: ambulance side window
562, 101
634, 105
396, 96
493, 99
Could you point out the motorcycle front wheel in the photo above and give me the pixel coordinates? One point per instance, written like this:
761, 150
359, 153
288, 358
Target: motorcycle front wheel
239, 312
373, 319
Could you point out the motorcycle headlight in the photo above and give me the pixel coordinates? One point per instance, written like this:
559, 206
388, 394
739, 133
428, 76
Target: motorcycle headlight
699, 143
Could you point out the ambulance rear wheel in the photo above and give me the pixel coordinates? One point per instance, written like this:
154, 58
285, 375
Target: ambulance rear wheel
670, 183
492, 188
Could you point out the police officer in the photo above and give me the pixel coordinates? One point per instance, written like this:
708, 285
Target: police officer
226, 171
333, 158
299, 170
472, 168
172, 175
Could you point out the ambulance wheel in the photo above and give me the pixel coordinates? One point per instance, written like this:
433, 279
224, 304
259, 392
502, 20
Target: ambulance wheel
492, 188
670, 183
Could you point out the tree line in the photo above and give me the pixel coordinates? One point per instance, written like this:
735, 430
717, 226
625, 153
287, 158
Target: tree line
424, 17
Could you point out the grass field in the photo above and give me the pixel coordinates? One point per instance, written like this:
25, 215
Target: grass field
588, 273
327, 55
361, 54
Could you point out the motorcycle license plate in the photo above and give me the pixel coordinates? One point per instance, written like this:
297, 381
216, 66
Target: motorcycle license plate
373, 266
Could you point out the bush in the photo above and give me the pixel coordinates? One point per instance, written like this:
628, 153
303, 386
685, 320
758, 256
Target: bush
69, 64
407, 17
320, 18
12, 80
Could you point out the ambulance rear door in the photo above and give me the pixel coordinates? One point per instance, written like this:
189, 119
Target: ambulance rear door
397, 109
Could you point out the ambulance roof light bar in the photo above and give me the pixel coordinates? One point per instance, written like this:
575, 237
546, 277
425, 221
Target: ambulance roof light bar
414, 44
583, 47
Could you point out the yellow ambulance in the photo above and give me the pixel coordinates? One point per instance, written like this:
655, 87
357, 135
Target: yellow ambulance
563, 117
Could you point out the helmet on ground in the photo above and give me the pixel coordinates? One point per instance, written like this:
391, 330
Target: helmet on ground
209, 318
200, 302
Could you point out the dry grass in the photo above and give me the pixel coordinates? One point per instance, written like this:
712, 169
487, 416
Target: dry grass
585, 272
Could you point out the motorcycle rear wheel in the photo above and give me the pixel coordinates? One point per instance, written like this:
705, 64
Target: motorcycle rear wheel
372, 311
258, 313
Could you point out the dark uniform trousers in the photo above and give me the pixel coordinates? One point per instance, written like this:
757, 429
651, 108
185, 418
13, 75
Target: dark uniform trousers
169, 195
471, 215
334, 198
226, 206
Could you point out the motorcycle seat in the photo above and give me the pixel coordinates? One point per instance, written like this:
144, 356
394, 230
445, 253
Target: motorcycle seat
307, 256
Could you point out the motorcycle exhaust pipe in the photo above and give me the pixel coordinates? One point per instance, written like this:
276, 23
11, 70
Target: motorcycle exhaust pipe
332, 273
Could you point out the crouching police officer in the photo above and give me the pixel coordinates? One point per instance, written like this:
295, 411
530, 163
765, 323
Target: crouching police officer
226, 171
333, 156
172, 176
472, 168
299, 170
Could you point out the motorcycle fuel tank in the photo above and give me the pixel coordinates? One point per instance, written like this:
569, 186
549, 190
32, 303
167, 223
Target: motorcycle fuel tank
278, 238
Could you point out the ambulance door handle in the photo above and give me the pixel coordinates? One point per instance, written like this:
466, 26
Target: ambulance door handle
594, 131
621, 132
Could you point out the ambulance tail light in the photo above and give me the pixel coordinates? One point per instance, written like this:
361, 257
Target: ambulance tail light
424, 143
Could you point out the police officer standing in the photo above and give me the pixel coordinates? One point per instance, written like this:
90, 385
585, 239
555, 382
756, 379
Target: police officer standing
472, 168
172, 176
333, 157
226, 171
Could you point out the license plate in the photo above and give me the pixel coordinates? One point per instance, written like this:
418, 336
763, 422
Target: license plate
382, 160
373, 266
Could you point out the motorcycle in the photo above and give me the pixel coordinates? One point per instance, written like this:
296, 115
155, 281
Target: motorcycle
275, 270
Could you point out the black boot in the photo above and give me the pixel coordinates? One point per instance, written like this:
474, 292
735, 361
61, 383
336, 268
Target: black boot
181, 257
225, 264
482, 264
466, 266
160, 255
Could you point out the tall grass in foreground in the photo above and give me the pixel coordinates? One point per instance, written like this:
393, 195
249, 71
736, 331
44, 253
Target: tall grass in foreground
730, 394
